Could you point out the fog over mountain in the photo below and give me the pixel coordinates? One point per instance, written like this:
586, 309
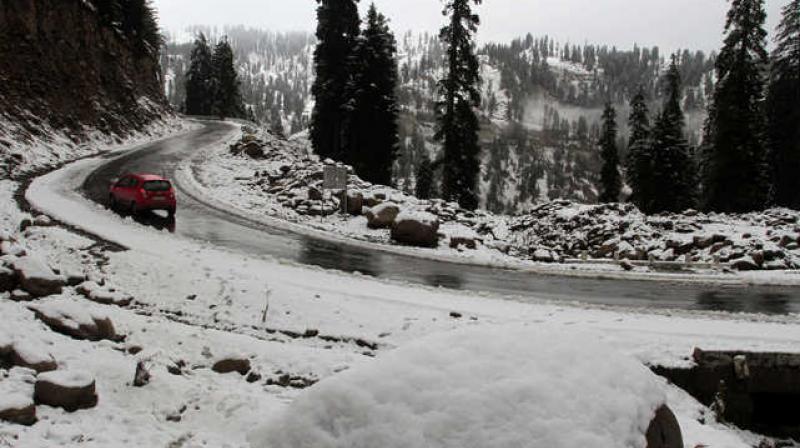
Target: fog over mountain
670, 24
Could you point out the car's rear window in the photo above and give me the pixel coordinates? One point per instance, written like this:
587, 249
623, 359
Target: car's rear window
157, 185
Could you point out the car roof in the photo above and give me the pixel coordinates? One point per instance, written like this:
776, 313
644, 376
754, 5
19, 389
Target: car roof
146, 177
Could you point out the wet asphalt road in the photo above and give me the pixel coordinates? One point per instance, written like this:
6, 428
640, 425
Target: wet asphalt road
201, 222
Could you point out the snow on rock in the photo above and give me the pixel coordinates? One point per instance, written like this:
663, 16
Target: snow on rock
479, 387
103, 294
233, 363
16, 397
28, 353
382, 216
8, 279
416, 228
68, 389
75, 320
36, 277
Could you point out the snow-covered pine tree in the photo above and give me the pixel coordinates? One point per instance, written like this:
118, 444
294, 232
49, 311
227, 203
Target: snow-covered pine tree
736, 175
226, 89
139, 23
610, 180
424, 177
674, 174
783, 108
370, 131
337, 33
199, 96
457, 123
639, 162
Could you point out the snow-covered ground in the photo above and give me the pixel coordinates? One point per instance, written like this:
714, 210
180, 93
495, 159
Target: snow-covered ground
195, 305
284, 187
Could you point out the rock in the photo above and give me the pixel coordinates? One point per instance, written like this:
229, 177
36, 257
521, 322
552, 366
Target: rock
417, 229
458, 241
19, 295
68, 389
25, 223
77, 322
745, 264
142, 377
758, 257
36, 277
382, 216
42, 221
626, 265
240, 365
372, 201
18, 409
542, 255
314, 194
253, 377
8, 279
664, 430
103, 294
254, 150
355, 203
26, 354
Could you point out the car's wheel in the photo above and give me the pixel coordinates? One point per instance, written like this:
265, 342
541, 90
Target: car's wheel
112, 202
134, 208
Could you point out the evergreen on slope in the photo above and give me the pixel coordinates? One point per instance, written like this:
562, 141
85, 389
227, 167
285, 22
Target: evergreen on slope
138, 20
199, 82
783, 108
371, 134
610, 181
457, 122
639, 163
735, 160
337, 35
674, 173
424, 175
226, 87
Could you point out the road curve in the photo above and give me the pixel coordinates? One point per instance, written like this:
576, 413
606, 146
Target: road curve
201, 222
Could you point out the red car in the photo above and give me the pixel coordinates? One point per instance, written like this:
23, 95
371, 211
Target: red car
142, 192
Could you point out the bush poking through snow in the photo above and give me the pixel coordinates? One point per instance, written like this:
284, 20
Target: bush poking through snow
480, 387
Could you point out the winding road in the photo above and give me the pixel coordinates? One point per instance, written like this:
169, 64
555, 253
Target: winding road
202, 222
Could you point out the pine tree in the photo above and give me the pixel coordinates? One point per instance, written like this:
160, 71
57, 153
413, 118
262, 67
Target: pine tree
639, 163
674, 174
424, 176
370, 135
139, 23
337, 34
783, 108
226, 86
458, 125
610, 181
735, 163
109, 11
199, 94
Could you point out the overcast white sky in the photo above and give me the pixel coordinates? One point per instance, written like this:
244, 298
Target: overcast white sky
671, 24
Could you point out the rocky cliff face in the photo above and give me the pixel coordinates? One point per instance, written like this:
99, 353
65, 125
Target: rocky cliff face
59, 66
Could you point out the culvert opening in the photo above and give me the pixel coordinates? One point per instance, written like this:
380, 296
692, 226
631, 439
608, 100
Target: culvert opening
759, 392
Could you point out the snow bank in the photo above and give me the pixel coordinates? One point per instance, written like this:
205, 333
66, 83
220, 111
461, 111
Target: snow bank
72, 379
480, 387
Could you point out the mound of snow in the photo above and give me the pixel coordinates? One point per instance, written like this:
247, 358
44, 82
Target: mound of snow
480, 387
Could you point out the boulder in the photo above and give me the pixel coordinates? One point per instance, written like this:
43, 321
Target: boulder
36, 277
382, 216
68, 389
745, 264
542, 255
42, 221
8, 279
355, 203
416, 229
103, 294
254, 150
77, 322
664, 430
314, 194
238, 364
457, 241
26, 354
19, 295
18, 409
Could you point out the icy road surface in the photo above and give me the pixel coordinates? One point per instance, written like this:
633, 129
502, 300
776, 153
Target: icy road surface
202, 222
